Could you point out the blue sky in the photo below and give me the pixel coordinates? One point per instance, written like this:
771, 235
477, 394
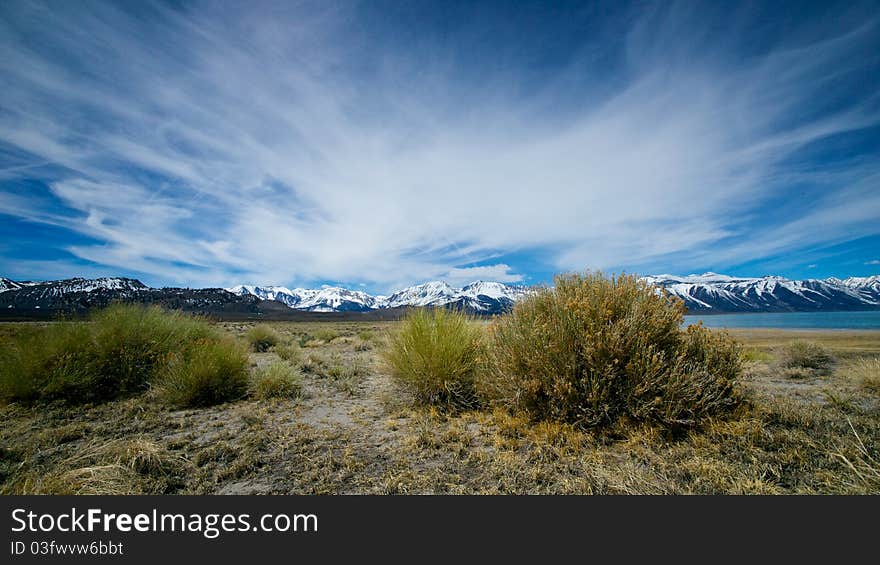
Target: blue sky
381, 144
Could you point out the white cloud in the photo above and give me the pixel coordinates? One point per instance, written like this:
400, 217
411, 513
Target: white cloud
873, 262
210, 148
499, 273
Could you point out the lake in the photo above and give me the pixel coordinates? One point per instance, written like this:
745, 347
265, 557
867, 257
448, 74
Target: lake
792, 320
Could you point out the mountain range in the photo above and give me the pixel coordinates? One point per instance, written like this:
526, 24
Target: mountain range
711, 292
478, 297
706, 293
78, 296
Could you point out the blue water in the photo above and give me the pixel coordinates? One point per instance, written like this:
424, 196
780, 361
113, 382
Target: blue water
792, 320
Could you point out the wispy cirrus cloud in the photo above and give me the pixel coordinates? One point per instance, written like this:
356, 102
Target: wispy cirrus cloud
279, 143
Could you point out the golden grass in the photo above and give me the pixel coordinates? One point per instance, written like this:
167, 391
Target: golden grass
262, 337
278, 380
118, 466
865, 371
863, 462
434, 356
842, 343
292, 353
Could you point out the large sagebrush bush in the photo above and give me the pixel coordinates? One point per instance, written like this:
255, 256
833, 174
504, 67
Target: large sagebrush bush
435, 356
594, 349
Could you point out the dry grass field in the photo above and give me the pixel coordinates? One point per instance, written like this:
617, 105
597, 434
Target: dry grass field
339, 426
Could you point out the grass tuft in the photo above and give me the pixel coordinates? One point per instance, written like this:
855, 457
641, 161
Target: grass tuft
115, 467
291, 353
806, 355
435, 356
262, 337
138, 454
210, 372
119, 353
278, 380
865, 372
325, 334
94, 480
864, 464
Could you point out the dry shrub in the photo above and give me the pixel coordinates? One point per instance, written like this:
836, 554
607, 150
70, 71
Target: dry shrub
594, 349
805, 355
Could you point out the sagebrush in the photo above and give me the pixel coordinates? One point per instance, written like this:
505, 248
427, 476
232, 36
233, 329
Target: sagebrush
595, 349
807, 355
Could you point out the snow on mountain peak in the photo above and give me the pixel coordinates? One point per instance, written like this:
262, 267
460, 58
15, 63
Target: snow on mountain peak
723, 293
706, 292
434, 293
479, 295
326, 299
700, 292
90, 285
8, 284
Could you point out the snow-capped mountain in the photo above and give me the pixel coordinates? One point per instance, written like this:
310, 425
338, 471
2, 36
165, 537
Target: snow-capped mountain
711, 292
327, 299
45, 294
491, 297
434, 293
480, 296
8, 284
707, 293
66, 286
862, 284
77, 295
